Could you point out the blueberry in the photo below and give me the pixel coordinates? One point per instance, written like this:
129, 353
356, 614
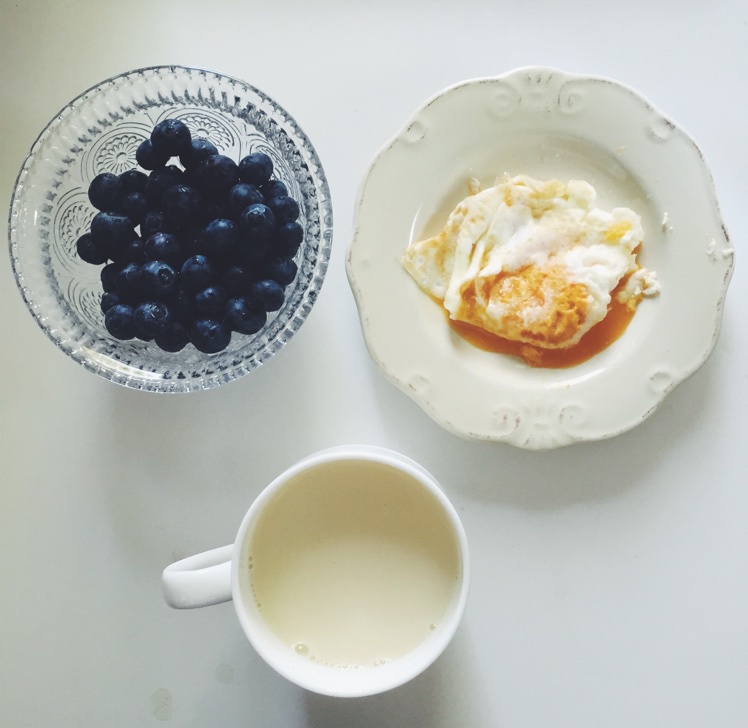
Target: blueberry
159, 181
133, 253
282, 271
253, 251
105, 191
155, 222
273, 188
236, 279
211, 301
257, 222
90, 251
128, 281
256, 168
192, 242
148, 158
166, 247
112, 232
151, 318
285, 209
109, 276
171, 137
188, 178
215, 175
119, 321
268, 294
244, 316
183, 307
109, 299
209, 336
158, 280
241, 196
174, 339
135, 206
133, 180
197, 273
199, 149
220, 238
216, 210
181, 205
288, 238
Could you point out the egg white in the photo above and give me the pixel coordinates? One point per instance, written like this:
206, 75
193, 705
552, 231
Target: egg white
532, 261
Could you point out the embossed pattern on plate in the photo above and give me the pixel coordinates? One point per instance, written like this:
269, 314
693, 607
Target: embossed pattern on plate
545, 123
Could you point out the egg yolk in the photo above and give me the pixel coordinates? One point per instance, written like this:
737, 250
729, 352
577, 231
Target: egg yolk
598, 338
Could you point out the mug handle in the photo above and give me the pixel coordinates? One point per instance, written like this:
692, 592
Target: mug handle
200, 580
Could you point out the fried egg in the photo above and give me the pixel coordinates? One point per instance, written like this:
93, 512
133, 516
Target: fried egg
534, 262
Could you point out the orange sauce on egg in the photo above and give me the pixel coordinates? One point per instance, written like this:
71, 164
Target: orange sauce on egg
598, 338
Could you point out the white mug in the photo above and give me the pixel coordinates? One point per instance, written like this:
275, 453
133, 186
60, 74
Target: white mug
349, 573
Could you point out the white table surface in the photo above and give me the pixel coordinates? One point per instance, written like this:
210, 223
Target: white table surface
610, 580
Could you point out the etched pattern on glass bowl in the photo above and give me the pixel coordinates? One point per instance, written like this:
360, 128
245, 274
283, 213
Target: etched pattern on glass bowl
99, 131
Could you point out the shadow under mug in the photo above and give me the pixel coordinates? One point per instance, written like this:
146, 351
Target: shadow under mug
229, 572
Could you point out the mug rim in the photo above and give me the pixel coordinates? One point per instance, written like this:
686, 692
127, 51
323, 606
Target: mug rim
309, 675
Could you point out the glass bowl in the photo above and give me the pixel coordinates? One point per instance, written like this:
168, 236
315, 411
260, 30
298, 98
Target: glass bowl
99, 131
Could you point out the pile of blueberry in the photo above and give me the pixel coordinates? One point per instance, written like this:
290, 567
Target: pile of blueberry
195, 252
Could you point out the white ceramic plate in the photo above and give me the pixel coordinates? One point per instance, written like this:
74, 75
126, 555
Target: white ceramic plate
547, 124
